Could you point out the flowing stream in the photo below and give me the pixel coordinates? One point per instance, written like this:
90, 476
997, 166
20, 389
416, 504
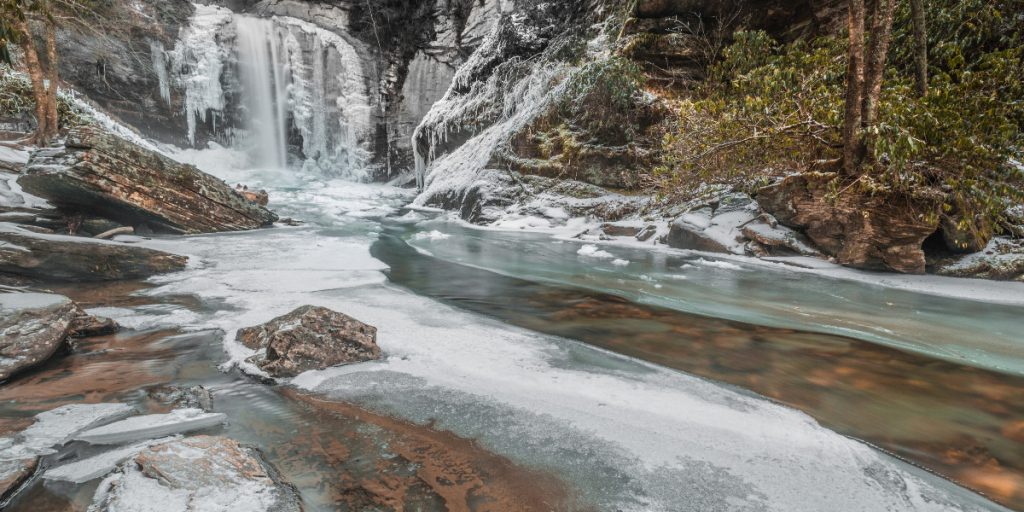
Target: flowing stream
524, 391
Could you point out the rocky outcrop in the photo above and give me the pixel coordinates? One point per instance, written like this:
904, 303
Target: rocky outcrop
113, 60
36, 326
199, 473
67, 258
309, 338
883, 231
110, 177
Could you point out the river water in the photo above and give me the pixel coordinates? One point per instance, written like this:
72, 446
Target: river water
520, 375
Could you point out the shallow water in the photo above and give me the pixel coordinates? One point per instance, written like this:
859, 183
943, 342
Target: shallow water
475, 355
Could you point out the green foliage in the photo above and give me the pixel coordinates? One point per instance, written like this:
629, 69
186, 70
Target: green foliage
769, 109
603, 99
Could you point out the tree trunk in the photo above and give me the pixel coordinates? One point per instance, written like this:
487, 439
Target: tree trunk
881, 32
52, 119
920, 46
852, 131
36, 75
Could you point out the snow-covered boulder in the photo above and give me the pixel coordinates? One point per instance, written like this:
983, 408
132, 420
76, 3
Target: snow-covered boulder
309, 338
206, 473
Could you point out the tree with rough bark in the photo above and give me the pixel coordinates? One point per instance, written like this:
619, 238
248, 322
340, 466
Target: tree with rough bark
920, 46
866, 58
15, 28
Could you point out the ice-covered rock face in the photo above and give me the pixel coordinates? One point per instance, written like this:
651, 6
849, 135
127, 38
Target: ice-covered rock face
290, 92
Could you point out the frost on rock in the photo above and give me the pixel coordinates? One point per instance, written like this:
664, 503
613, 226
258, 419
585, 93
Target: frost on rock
201, 473
153, 425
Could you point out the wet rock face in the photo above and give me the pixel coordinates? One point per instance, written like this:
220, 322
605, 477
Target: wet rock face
309, 338
876, 232
116, 70
101, 174
35, 326
56, 258
199, 473
14, 473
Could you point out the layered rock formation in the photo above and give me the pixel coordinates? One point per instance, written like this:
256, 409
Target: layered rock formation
102, 174
66, 258
882, 231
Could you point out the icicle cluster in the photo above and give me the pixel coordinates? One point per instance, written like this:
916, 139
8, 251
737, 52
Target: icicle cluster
273, 77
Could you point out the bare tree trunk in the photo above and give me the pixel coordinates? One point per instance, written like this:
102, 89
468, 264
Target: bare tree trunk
52, 119
852, 131
881, 32
36, 75
920, 46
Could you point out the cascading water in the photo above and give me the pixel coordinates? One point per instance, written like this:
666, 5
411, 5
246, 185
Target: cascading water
272, 78
264, 91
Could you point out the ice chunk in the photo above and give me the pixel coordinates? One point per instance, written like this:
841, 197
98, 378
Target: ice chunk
151, 426
56, 427
591, 251
94, 467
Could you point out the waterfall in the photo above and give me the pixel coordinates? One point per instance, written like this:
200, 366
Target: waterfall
264, 90
275, 81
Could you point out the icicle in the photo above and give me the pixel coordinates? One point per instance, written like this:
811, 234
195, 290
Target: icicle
159, 57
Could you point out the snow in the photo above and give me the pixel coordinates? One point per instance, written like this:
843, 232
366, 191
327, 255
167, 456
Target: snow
94, 467
12, 195
432, 235
619, 262
15, 156
151, 426
591, 251
724, 265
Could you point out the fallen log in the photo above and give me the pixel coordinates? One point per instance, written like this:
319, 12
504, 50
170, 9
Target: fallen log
100, 174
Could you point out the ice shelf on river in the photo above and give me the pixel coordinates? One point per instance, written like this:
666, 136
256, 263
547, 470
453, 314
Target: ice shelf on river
627, 435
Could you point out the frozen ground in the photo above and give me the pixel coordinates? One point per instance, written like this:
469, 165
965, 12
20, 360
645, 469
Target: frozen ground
626, 434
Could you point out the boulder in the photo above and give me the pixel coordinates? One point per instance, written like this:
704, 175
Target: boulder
715, 227
103, 175
309, 338
883, 231
209, 473
778, 240
67, 258
35, 326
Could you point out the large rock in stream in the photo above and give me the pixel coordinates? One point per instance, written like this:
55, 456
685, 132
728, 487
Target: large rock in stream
101, 174
75, 259
35, 326
208, 473
309, 338
883, 231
